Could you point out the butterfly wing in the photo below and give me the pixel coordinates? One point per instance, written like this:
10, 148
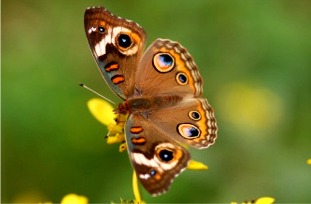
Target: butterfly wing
117, 45
168, 76
191, 121
168, 69
156, 158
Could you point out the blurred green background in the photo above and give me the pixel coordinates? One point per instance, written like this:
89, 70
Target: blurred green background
254, 57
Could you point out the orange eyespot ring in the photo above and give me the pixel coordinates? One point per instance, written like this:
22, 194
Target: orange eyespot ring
167, 152
163, 62
181, 78
194, 115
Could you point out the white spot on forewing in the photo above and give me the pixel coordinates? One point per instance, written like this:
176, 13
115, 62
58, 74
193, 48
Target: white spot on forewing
110, 37
92, 29
100, 48
144, 176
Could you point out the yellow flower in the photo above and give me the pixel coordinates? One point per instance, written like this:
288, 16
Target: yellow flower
104, 113
309, 161
194, 165
262, 200
265, 200
74, 199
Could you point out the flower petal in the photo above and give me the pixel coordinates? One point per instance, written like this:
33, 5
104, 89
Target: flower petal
113, 139
115, 129
265, 200
195, 165
102, 111
73, 198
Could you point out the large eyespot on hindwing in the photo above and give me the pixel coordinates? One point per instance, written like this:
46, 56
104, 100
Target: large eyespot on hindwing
188, 131
167, 152
163, 62
165, 155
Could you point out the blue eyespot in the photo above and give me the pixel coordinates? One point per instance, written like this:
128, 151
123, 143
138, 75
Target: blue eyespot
194, 115
101, 29
188, 131
153, 172
163, 62
192, 132
181, 78
166, 155
124, 41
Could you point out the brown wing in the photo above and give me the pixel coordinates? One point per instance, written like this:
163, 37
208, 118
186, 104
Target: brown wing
191, 122
169, 85
117, 45
166, 69
156, 158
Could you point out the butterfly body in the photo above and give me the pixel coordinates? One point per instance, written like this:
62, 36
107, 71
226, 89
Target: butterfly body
161, 90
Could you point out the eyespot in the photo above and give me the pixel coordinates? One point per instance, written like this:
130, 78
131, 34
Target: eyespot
188, 131
163, 62
194, 115
124, 41
165, 152
181, 78
166, 155
101, 29
153, 172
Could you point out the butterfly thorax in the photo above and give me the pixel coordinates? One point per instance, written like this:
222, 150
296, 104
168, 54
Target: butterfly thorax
142, 104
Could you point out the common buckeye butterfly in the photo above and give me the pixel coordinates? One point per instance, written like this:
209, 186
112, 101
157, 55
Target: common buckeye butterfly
161, 91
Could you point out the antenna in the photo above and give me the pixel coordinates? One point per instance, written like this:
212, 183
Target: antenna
91, 90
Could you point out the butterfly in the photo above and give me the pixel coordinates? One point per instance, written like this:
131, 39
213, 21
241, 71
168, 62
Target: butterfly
161, 90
